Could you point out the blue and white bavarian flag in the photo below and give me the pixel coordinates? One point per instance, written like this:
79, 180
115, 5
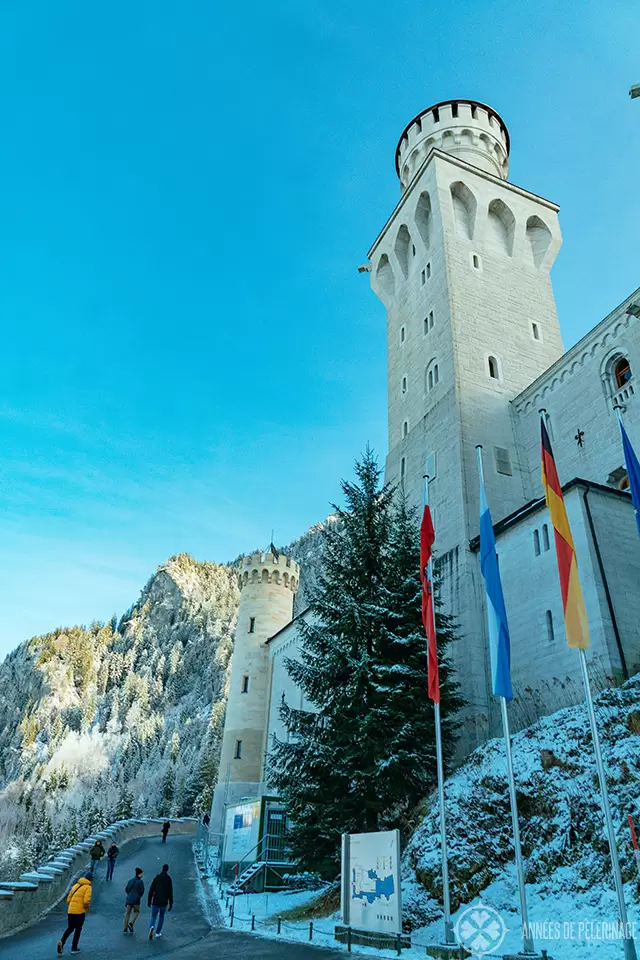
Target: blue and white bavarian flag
633, 472
499, 641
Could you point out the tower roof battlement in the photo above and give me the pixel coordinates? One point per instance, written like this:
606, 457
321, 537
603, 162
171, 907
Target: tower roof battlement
269, 568
467, 129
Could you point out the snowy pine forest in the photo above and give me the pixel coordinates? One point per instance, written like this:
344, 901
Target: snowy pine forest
116, 719
125, 718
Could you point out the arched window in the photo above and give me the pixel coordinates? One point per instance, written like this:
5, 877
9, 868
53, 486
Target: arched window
494, 372
539, 237
423, 218
402, 334
405, 429
464, 209
404, 384
430, 380
550, 631
545, 537
536, 543
433, 375
403, 248
384, 276
501, 225
622, 372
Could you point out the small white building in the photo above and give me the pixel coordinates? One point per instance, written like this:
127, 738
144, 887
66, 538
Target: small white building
462, 266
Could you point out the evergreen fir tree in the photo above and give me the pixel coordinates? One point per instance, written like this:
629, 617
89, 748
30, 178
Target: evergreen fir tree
363, 758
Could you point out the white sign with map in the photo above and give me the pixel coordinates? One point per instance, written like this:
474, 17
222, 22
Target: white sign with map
371, 881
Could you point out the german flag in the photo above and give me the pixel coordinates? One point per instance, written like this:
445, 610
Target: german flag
575, 616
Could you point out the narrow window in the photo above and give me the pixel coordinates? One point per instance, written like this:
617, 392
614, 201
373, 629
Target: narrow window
423, 276
535, 331
545, 537
428, 270
436, 115
245, 684
550, 634
493, 368
430, 381
435, 374
403, 466
402, 334
474, 112
405, 429
404, 384
430, 467
622, 372
238, 751
503, 461
476, 261
454, 109
413, 249
252, 624
431, 320
536, 543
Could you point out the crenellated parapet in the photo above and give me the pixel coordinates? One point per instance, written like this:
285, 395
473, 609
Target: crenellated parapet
472, 131
269, 568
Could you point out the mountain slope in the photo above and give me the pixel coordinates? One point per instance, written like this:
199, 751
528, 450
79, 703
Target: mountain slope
116, 719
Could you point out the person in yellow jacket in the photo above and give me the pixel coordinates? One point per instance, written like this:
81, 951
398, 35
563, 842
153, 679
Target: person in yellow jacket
78, 902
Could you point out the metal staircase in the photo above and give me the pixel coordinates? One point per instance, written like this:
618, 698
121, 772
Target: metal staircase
245, 878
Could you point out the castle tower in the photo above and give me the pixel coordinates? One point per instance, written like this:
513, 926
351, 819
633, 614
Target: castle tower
268, 583
462, 267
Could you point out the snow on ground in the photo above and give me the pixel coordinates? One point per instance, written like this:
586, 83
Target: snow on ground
570, 895
567, 927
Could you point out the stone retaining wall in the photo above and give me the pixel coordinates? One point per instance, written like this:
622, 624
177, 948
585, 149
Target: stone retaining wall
24, 900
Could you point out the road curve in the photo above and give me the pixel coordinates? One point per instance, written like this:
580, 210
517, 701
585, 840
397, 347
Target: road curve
187, 934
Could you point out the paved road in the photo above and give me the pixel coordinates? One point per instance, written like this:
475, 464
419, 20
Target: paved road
187, 934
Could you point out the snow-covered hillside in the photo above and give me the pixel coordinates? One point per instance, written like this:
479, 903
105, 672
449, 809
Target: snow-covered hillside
116, 719
122, 718
563, 834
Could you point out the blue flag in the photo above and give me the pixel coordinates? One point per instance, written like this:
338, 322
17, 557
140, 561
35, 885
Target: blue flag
633, 471
499, 641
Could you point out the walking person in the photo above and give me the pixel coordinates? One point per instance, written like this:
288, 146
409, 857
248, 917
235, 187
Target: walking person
160, 895
78, 902
134, 890
166, 826
112, 856
96, 853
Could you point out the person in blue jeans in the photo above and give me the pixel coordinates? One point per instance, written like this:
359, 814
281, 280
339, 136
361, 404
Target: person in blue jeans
112, 856
160, 897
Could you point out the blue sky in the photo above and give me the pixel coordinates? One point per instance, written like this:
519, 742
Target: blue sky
190, 357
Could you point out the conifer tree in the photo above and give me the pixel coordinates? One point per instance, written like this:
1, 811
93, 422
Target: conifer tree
364, 755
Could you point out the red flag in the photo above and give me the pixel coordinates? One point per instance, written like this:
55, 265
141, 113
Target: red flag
427, 536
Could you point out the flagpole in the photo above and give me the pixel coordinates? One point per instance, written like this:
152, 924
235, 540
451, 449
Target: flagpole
629, 945
527, 939
628, 942
446, 899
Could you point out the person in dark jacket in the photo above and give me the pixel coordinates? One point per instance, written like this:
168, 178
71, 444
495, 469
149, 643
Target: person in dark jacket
134, 890
96, 853
160, 896
166, 826
112, 855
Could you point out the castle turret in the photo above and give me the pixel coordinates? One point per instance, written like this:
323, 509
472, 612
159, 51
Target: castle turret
466, 129
268, 583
